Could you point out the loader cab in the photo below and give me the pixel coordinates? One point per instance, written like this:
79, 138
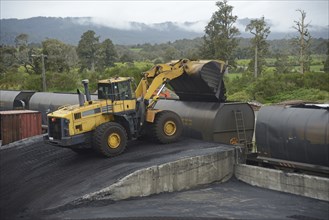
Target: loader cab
115, 89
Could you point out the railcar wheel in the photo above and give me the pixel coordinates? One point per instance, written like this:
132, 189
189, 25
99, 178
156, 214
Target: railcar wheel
167, 127
110, 139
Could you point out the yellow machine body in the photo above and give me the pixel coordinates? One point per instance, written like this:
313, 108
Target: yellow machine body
92, 114
120, 113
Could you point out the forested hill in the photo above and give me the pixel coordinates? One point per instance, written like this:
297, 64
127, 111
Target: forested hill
69, 30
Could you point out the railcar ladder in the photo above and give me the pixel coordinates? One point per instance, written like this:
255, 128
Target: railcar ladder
240, 127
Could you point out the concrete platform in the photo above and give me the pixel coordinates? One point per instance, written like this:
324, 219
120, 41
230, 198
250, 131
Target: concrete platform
299, 184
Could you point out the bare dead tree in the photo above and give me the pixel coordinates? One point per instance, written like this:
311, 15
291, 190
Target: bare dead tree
303, 41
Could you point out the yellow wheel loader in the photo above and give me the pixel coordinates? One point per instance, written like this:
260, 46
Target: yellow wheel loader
121, 114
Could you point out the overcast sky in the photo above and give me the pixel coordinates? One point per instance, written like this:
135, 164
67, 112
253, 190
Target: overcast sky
282, 13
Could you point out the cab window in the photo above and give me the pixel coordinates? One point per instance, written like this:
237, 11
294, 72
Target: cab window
115, 91
125, 90
107, 91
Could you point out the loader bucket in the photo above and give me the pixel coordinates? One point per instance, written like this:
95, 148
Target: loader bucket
201, 82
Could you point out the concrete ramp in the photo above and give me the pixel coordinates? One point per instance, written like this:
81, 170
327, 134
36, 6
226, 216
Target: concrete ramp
213, 165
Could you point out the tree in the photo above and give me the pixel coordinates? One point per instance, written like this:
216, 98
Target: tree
7, 59
87, 47
303, 42
282, 64
21, 40
106, 54
60, 57
126, 58
24, 53
326, 63
219, 39
260, 30
171, 53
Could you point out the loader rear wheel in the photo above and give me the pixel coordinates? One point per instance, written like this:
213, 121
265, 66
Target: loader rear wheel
110, 139
168, 127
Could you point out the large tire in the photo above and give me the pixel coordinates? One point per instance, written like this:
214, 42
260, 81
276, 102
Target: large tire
110, 139
167, 127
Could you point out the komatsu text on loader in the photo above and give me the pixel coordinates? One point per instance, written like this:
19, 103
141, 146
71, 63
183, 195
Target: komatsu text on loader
121, 114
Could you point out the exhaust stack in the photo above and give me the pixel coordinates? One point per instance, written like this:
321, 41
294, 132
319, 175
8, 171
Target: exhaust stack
85, 84
81, 98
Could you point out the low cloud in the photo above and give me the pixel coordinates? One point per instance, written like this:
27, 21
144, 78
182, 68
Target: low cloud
276, 27
197, 26
106, 22
116, 23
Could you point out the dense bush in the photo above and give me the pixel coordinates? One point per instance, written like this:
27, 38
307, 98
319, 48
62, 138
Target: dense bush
32, 82
71, 80
67, 82
272, 87
301, 94
317, 81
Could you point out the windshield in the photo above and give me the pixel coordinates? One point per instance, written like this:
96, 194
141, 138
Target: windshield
115, 91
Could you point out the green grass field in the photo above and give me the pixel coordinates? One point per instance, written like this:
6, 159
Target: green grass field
139, 64
135, 49
316, 64
233, 75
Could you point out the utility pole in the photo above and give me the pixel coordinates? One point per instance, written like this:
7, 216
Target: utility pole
256, 61
43, 74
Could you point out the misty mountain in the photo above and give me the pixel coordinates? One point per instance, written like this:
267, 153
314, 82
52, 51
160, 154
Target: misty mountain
69, 30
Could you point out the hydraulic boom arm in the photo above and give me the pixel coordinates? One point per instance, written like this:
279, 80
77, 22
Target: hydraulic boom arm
198, 77
159, 76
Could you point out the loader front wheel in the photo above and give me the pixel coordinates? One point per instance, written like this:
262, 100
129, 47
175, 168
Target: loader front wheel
168, 127
110, 139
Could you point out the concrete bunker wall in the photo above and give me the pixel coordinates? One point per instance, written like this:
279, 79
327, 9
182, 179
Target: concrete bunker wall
182, 174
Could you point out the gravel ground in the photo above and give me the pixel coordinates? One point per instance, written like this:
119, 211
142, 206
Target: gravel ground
36, 176
39, 181
230, 200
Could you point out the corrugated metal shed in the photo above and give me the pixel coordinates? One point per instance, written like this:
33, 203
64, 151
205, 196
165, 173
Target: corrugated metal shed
19, 124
